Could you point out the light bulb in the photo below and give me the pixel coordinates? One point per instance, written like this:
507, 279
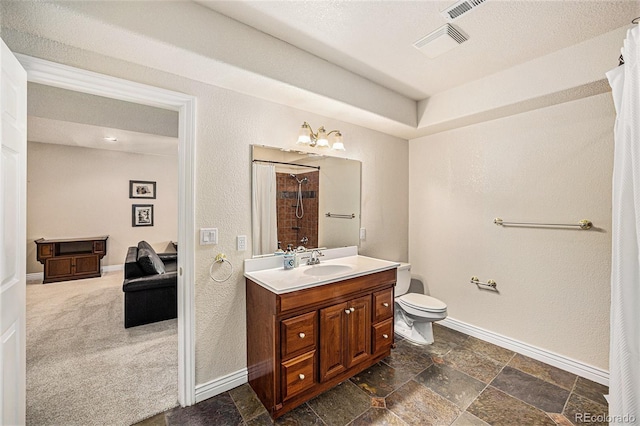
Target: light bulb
322, 141
305, 135
338, 145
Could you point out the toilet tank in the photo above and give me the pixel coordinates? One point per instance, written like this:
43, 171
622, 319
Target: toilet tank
403, 279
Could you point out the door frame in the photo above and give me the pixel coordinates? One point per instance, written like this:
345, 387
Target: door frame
63, 76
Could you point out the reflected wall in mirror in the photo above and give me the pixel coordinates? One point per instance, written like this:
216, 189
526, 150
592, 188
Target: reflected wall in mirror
293, 192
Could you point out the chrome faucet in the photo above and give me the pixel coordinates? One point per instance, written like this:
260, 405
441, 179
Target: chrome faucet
314, 258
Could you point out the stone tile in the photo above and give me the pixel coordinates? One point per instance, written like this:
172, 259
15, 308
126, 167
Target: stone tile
217, 410
489, 350
378, 416
560, 419
543, 395
378, 402
380, 380
592, 390
418, 405
474, 364
445, 339
452, 384
468, 419
340, 405
247, 402
543, 371
262, 420
581, 410
157, 420
300, 416
450, 335
408, 357
499, 409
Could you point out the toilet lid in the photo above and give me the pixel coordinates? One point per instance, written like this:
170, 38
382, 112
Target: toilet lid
423, 302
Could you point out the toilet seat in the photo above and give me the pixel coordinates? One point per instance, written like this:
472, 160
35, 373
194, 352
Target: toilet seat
422, 302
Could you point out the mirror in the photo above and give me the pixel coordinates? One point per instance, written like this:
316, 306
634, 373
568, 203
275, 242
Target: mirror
303, 199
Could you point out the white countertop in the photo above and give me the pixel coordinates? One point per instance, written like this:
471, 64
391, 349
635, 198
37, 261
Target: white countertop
279, 280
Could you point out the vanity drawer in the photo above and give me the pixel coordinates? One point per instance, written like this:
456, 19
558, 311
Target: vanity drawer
382, 336
298, 374
298, 334
382, 305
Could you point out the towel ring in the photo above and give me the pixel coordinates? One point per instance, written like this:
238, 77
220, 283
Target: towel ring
220, 258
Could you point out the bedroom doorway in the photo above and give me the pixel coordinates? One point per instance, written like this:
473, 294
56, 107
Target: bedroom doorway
60, 76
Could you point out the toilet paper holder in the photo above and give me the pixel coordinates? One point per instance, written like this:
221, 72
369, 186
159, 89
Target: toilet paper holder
491, 283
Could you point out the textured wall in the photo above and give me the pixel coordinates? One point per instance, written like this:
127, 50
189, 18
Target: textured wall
75, 192
549, 165
227, 124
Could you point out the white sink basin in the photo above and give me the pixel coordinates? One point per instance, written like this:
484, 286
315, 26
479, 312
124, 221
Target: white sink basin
322, 270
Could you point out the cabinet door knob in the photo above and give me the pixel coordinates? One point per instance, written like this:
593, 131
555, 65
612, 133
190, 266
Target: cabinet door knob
386, 336
347, 311
301, 376
352, 309
301, 335
385, 304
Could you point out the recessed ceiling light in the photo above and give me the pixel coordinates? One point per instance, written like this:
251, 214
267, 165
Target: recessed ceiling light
110, 139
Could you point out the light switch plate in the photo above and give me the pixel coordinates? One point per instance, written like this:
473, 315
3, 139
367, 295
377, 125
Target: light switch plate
208, 236
242, 242
363, 234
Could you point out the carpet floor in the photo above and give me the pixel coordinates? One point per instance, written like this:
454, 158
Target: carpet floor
84, 367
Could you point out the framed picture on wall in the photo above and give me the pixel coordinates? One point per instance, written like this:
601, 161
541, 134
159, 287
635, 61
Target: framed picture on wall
142, 189
142, 215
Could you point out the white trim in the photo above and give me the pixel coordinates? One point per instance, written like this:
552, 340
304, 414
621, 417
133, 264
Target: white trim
35, 276
112, 268
221, 384
564, 363
59, 75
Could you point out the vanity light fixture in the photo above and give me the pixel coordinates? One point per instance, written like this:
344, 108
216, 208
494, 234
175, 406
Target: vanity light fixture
320, 139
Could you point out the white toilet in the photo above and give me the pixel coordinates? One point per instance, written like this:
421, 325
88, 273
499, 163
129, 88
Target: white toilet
415, 312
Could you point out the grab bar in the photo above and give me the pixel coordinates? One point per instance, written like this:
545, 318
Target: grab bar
583, 224
490, 283
341, 216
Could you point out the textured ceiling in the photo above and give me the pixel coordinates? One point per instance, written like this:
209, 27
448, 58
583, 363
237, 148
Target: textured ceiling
374, 38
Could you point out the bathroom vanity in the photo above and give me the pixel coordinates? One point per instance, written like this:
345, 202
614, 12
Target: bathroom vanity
310, 328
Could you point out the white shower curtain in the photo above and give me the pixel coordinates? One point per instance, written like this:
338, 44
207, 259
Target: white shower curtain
624, 355
264, 214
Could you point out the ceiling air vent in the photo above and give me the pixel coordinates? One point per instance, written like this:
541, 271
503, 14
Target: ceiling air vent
460, 8
440, 41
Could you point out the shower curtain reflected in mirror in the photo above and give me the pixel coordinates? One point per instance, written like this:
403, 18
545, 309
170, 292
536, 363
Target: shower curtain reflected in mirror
264, 214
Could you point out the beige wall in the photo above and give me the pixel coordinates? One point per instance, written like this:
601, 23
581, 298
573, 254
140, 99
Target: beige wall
548, 165
227, 124
80, 192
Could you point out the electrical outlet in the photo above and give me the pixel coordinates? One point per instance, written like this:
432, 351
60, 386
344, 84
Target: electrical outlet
363, 234
242, 242
208, 236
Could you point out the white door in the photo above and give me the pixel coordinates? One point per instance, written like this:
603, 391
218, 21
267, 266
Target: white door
13, 236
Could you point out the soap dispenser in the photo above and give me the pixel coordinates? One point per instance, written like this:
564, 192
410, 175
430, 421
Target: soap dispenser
279, 252
289, 261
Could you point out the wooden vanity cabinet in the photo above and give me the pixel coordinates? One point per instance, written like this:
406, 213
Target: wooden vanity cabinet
302, 343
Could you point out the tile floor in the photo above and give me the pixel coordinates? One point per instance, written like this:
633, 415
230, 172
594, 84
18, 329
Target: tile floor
459, 381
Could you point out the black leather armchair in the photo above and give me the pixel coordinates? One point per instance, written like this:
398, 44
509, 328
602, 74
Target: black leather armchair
150, 286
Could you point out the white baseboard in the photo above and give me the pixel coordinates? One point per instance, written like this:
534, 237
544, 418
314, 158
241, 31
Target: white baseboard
39, 276
35, 276
111, 268
562, 362
221, 384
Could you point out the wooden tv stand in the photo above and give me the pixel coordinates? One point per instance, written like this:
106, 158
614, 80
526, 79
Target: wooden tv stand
71, 259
